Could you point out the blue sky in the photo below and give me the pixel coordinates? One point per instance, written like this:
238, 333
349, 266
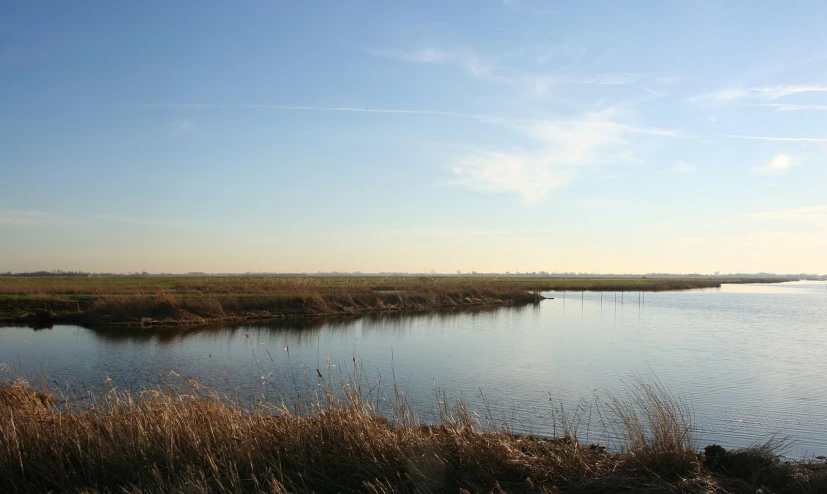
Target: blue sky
410, 136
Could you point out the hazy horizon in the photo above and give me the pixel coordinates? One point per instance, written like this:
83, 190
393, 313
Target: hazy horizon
494, 136
429, 273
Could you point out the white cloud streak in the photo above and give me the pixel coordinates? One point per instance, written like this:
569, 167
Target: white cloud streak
718, 97
684, 167
25, 218
148, 221
509, 121
812, 215
781, 90
617, 79
531, 176
446, 232
536, 83
766, 93
39, 218
776, 138
469, 60
564, 146
312, 108
785, 107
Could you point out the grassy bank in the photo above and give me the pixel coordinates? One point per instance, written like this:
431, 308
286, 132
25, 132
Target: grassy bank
191, 441
185, 306
154, 300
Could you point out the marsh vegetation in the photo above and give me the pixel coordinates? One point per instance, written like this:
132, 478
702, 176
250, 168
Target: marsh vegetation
185, 300
192, 440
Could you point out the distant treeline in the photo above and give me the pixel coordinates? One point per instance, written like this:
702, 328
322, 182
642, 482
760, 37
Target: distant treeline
58, 272
531, 274
82, 274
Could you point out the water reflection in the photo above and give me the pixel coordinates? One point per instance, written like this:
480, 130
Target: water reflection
748, 358
304, 329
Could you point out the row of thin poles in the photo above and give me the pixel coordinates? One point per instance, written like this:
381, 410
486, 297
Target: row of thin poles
641, 297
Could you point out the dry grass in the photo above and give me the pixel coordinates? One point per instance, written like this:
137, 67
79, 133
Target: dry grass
194, 441
77, 287
152, 300
181, 306
656, 429
174, 308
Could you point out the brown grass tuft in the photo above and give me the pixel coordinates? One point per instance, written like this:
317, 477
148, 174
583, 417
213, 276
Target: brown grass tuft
656, 430
194, 441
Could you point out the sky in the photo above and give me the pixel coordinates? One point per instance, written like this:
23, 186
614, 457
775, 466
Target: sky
627, 137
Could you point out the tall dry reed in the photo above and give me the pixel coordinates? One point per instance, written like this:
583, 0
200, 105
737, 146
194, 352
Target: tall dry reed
192, 440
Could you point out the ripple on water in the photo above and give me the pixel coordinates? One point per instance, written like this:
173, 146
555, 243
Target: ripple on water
747, 359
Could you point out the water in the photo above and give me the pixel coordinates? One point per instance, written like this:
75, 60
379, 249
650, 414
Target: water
749, 359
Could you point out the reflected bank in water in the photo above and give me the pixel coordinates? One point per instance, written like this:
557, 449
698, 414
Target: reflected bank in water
749, 359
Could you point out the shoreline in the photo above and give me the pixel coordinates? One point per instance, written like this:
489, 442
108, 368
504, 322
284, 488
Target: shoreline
163, 312
139, 301
195, 441
47, 320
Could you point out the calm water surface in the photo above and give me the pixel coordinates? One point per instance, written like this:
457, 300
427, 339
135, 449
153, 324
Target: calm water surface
751, 360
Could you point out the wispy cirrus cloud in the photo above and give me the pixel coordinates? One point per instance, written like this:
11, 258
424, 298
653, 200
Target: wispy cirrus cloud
519, 123
684, 167
812, 215
536, 82
612, 79
719, 96
40, 218
445, 232
781, 90
469, 60
150, 221
530, 176
765, 93
563, 147
785, 107
541, 84
316, 108
776, 138
25, 218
